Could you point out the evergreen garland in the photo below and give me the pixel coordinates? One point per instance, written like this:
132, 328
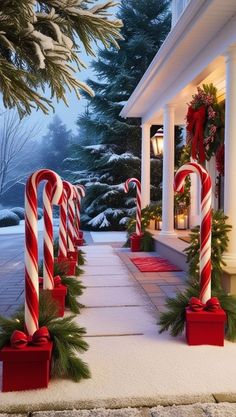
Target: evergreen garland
173, 319
219, 243
67, 338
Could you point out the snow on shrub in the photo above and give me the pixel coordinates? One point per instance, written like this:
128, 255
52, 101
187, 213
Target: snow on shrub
8, 218
19, 211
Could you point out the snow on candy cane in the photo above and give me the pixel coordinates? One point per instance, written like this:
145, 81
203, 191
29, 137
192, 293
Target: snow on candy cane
138, 202
48, 258
205, 229
31, 243
80, 192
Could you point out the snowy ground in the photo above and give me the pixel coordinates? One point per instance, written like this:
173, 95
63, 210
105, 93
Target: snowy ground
12, 230
102, 237
131, 363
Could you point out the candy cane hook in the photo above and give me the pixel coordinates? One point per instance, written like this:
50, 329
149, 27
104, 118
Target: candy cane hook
138, 202
205, 229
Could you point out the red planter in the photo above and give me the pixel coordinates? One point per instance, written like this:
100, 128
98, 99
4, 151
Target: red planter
136, 242
79, 242
205, 327
59, 294
73, 256
26, 368
69, 265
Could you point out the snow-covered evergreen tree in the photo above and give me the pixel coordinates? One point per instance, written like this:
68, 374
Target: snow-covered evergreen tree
111, 145
40, 45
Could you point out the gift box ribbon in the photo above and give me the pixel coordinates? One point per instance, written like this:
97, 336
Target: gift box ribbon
56, 279
20, 339
212, 304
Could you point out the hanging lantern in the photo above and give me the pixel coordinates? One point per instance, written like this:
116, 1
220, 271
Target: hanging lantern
157, 142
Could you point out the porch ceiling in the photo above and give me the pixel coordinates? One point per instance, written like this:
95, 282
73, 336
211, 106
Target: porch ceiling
192, 52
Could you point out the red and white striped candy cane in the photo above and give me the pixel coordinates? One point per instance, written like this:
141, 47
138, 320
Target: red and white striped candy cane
70, 215
138, 202
205, 230
48, 258
31, 244
81, 193
62, 250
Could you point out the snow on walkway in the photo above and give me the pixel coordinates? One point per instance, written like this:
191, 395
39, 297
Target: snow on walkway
131, 364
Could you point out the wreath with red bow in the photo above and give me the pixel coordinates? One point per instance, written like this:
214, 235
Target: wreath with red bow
205, 123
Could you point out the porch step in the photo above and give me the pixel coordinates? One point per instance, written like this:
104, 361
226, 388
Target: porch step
171, 248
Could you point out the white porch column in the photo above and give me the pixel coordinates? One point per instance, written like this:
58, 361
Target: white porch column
168, 172
195, 200
145, 165
230, 152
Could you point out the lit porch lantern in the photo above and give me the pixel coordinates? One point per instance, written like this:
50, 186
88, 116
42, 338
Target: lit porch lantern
181, 217
157, 142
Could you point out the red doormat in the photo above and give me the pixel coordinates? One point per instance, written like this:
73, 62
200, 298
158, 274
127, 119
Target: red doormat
154, 264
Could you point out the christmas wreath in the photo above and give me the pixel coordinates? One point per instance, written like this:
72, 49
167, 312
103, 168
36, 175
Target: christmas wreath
205, 123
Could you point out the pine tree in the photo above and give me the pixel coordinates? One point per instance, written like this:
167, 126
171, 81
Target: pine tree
112, 150
40, 44
55, 145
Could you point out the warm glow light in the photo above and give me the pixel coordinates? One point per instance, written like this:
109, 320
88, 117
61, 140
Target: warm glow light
157, 142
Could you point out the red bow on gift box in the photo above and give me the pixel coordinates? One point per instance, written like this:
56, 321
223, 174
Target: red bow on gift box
212, 304
195, 126
19, 339
57, 281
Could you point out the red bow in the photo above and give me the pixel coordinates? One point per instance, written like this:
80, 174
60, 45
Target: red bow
19, 339
212, 304
195, 126
57, 281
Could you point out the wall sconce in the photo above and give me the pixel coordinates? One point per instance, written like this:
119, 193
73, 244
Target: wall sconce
157, 142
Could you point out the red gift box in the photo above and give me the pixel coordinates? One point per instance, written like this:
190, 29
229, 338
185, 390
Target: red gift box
79, 242
69, 264
26, 368
136, 242
205, 327
58, 293
73, 256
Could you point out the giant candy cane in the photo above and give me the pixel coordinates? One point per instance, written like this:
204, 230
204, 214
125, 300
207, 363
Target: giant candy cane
80, 193
205, 230
69, 214
31, 243
48, 258
62, 250
66, 231
138, 202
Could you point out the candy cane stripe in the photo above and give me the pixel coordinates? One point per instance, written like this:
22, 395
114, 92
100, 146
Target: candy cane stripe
205, 230
138, 202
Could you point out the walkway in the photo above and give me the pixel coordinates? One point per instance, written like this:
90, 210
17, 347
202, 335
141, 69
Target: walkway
131, 364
